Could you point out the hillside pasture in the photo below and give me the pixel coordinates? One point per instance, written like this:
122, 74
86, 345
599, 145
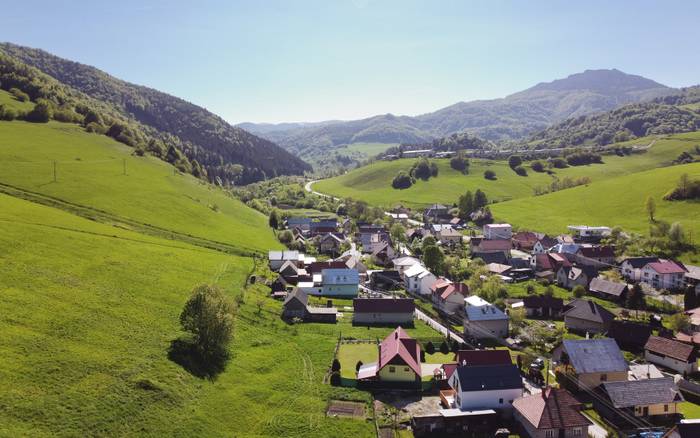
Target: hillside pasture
97, 172
9, 101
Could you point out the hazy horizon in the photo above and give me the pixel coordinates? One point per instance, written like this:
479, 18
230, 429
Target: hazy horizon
313, 61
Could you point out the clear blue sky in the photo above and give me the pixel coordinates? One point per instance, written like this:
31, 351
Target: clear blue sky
315, 60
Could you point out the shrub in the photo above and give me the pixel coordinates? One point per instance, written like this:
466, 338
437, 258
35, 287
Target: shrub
19, 94
444, 348
335, 379
460, 164
430, 348
95, 128
520, 170
537, 166
402, 181
40, 114
514, 161
559, 163
358, 365
579, 291
335, 366
490, 174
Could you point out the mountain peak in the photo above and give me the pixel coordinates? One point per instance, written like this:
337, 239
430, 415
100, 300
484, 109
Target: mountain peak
607, 81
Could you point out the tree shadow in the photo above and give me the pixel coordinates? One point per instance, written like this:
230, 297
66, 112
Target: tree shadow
184, 353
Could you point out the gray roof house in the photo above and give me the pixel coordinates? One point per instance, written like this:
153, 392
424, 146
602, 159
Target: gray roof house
590, 362
640, 398
587, 316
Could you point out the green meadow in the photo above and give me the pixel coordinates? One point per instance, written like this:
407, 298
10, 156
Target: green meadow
97, 172
9, 101
372, 183
367, 150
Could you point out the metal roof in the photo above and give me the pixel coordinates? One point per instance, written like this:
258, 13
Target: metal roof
595, 355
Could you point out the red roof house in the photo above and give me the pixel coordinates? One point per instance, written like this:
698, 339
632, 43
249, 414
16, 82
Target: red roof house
553, 409
399, 360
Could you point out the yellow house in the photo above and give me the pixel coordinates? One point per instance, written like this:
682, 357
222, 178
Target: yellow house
642, 398
399, 360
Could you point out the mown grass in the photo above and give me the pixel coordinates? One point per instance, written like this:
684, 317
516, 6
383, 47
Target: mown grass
367, 150
613, 202
9, 101
90, 172
372, 183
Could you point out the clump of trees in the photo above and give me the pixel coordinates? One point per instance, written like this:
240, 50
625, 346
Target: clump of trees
537, 166
460, 163
520, 170
560, 184
685, 189
582, 158
424, 169
402, 180
470, 203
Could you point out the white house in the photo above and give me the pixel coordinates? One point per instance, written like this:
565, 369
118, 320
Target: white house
664, 274
401, 264
498, 231
631, 268
671, 354
585, 232
418, 280
486, 387
277, 258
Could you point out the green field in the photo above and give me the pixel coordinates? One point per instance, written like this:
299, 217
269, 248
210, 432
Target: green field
613, 202
90, 172
367, 150
372, 183
9, 101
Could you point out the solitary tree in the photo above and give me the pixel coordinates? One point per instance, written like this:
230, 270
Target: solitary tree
430, 348
444, 348
208, 317
480, 199
358, 365
635, 297
514, 161
650, 206
579, 291
274, 220
433, 258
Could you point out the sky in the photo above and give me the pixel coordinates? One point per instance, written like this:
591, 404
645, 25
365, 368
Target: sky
284, 61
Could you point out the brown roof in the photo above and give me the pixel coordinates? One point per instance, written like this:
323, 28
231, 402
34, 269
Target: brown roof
459, 288
495, 245
539, 301
670, 348
383, 305
483, 357
317, 267
552, 409
597, 251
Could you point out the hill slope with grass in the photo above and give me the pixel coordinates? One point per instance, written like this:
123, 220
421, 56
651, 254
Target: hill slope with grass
90, 173
372, 183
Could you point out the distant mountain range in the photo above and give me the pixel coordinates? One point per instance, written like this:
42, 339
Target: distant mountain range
202, 136
513, 117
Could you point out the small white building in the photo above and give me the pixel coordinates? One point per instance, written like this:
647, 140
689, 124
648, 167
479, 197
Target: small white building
482, 320
631, 268
675, 355
401, 264
498, 231
586, 232
277, 258
418, 280
486, 387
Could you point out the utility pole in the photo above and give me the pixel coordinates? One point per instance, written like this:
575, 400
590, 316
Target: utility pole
54, 171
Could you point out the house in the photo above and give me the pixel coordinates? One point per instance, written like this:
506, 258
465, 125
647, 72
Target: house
483, 320
671, 354
608, 290
418, 280
498, 269
449, 236
296, 306
584, 233
277, 258
631, 268
587, 363
436, 213
630, 335
638, 398
498, 231
478, 245
346, 226
330, 243
491, 257
302, 223
664, 274
323, 226
694, 315
587, 316
340, 282
483, 357
565, 248
549, 262
398, 361
524, 240
551, 414
478, 387
316, 268
543, 306
450, 299
401, 264
596, 256
383, 253
572, 276
383, 311
291, 272
367, 233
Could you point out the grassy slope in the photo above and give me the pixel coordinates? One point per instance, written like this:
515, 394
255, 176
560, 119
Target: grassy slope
616, 201
90, 173
9, 101
373, 183
367, 149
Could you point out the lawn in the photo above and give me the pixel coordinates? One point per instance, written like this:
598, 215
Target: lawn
367, 150
90, 172
349, 354
372, 183
9, 101
690, 409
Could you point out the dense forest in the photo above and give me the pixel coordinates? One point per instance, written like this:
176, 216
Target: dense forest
173, 128
664, 115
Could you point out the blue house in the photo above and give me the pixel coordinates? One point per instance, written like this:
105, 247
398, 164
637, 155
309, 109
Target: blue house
340, 282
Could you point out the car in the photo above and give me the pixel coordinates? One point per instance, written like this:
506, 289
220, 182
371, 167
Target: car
538, 363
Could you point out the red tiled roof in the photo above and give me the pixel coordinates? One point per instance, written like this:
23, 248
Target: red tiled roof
449, 369
552, 409
495, 245
459, 288
398, 348
666, 267
670, 348
440, 283
483, 357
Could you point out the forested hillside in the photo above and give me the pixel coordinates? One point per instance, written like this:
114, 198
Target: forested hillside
665, 115
223, 151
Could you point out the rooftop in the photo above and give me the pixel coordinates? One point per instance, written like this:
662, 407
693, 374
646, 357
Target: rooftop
595, 355
630, 393
489, 377
552, 409
670, 348
384, 305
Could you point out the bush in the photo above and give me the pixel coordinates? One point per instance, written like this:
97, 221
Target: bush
358, 365
208, 316
430, 348
490, 175
335, 366
579, 291
444, 348
460, 164
19, 94
559, 163
514, 161
537, 166
402, 181
335, 379
40, 114
520, 170
7, 114
95, 128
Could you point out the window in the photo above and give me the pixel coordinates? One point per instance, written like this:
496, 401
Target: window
576, 431
665, 408
549, 433
603, 377
392, 369
500, 401
405, 369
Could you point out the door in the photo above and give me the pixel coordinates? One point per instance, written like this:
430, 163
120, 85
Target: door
645, 411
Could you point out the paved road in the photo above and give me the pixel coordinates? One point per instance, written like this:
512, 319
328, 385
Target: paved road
309, 189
